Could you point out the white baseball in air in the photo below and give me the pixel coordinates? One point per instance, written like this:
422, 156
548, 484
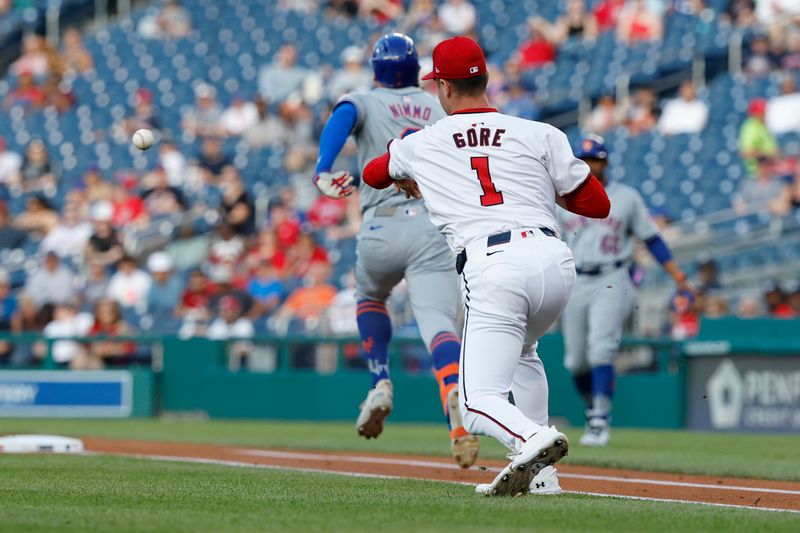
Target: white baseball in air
143, 139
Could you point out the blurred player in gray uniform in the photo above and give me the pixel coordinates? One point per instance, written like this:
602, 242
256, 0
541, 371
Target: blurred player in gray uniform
397, 239
603, 296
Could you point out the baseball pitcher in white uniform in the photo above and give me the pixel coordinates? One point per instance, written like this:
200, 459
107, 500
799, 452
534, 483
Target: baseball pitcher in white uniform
490, 183
603, 297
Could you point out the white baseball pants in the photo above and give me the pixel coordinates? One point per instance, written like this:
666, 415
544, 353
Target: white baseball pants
513, 293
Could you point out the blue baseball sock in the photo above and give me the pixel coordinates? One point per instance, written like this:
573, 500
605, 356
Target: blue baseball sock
583, 382
375, 328
602, 390
445, 351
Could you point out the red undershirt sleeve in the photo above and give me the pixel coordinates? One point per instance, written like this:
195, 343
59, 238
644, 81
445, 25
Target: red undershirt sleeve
376, 173
589, 199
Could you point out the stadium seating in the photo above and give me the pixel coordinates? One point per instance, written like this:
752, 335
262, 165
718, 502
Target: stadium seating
688, 176
249, 32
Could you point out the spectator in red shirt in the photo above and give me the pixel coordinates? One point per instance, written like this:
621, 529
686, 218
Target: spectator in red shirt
266, 251
326, 212
536, 51
606, 13
384, 11
303, 254
129, 208
286, 226
775, 299
27, 93
195, 303
685, 320
638, 23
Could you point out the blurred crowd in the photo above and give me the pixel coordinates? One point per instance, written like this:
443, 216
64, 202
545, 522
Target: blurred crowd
772, 49
775, 299
234, 266
239, 270
775, 183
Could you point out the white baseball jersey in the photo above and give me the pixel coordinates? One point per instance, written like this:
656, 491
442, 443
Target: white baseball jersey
482, 172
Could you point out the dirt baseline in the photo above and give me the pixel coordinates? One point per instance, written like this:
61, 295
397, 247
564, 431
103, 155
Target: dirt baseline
759, 494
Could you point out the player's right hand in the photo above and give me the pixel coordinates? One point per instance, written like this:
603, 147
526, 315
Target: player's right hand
683, 285
409, 187
334, 184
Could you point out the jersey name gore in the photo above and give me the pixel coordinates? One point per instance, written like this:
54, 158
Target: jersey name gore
412, 111
479, 137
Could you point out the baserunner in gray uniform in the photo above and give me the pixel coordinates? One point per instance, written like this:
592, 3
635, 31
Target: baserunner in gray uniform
603, 295
397, 240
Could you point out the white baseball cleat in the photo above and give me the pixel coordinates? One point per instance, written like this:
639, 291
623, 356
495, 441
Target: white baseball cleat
544, 448
464, 447
375, 409
598, 433
544, 483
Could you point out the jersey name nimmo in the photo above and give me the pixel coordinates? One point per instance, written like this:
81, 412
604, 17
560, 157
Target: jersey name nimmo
411, 111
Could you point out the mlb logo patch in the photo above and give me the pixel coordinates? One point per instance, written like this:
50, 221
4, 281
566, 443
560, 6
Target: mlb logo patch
473, 70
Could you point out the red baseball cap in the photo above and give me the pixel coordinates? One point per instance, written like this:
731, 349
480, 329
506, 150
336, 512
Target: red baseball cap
457, 58
758, 106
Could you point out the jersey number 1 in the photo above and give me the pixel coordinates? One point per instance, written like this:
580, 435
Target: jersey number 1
491, 196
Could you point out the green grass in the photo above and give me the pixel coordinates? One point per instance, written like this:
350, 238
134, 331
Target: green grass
69, 493
755, 456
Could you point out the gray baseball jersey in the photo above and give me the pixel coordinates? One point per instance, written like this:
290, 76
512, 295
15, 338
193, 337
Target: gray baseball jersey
602, 300
611, 240
401, 243
384, 114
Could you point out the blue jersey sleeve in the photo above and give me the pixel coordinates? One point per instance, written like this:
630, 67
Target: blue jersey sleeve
334, 135
659, 249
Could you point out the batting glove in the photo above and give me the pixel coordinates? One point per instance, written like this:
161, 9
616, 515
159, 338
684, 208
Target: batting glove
334, 184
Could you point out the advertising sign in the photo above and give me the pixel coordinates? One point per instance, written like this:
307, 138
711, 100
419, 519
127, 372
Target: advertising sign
757, 393
64, 393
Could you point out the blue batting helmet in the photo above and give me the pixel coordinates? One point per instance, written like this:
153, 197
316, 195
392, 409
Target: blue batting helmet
593, 147
395, 62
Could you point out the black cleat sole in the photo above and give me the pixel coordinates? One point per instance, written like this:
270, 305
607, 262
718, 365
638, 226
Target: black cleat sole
517, 482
